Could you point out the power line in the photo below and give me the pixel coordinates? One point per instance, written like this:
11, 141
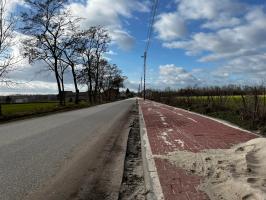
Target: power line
148, 43
150, 27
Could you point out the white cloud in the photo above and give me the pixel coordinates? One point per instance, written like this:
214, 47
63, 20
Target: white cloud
222, 22
247, 38
234, 41
110, 52
209, 9
122, 38
170, 26
176, 76
108, 13
132, 85
232, 34
11, 4
246, 66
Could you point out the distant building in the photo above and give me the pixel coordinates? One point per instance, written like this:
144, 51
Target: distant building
27, 98
2, 99
83, 96
70, 96
22, 100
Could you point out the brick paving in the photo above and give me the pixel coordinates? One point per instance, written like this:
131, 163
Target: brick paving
169, 129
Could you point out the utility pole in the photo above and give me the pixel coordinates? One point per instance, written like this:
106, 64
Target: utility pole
141, 86
144, 78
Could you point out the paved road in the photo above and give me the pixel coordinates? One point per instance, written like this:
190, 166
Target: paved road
169, 129
39, 152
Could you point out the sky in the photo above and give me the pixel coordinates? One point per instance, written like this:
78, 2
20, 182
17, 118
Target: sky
194, 43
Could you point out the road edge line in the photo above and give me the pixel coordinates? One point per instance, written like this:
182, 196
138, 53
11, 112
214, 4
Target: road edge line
151, 178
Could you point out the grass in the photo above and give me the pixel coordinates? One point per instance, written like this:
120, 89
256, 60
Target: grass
15, 109
227, 111
24, 110
233, 118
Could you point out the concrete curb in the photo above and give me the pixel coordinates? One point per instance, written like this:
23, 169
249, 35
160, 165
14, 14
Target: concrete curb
151, 178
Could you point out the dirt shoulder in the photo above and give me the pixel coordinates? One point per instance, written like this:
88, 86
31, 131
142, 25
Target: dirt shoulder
133, 180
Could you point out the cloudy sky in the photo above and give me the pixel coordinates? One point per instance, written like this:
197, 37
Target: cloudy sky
195, 42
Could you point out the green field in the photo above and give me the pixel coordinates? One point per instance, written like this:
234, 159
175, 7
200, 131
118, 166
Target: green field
230, 102
26, 108
13, 111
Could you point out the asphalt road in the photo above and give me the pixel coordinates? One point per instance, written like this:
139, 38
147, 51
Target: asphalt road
54, 152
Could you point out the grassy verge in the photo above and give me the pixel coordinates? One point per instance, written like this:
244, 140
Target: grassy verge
27, 110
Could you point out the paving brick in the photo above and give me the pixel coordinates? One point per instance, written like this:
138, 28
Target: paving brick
167, 127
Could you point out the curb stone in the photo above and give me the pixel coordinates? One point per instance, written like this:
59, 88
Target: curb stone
151, 178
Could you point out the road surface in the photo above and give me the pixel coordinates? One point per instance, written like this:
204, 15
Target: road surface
51, 156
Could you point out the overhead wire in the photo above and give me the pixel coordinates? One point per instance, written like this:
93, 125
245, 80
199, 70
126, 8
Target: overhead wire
151, 23
148, 41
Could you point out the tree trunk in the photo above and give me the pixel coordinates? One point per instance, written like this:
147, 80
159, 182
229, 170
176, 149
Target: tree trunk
59, 92
58, 84
75, 84
96, 82
90, 84
63, 91
109, 94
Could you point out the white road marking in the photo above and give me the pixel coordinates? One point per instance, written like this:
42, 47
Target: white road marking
164, 133
163, 119
180, 142
166, 141
192, 119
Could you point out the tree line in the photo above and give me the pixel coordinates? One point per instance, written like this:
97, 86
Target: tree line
53, 36
243, 105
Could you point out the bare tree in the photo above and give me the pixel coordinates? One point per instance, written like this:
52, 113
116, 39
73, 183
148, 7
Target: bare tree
102, 41
47, 23
7, 26
72, 56
85, 75
95, 41
110, 79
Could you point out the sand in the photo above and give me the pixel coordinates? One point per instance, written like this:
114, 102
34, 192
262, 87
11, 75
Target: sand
228, 174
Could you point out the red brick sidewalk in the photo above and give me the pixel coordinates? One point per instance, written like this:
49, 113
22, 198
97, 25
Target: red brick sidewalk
170, 128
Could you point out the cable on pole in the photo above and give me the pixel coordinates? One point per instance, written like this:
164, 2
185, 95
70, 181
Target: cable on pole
148, 43
150, 28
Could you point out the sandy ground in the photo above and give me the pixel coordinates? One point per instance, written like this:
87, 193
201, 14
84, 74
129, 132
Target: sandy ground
238, 173
133, 181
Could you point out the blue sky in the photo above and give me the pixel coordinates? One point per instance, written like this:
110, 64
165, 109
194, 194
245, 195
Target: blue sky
195, 42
